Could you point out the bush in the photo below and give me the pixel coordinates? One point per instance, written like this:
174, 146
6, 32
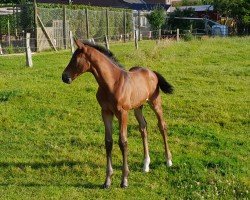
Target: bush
188, 36
156, 18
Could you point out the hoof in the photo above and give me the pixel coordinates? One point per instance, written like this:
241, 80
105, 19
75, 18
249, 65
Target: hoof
105, 186
146, 164
169, 163
145, 169
124, 184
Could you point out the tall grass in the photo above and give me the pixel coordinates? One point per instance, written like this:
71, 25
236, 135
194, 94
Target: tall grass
52, 135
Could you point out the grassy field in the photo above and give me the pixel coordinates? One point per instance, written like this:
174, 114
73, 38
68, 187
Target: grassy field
52, 135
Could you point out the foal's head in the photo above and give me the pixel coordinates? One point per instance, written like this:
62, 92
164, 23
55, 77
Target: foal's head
78, 64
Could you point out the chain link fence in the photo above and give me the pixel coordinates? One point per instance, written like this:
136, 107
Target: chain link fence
15, 21
49, 27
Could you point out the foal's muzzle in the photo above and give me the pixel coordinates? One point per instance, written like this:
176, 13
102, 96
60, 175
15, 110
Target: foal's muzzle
66, 78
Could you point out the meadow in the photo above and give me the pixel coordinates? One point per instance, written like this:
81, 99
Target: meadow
52, 134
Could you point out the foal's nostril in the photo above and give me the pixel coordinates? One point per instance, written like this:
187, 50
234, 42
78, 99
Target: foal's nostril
66, 78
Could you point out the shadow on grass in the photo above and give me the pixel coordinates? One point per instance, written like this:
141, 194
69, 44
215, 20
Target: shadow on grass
39, 165
77, 185
42, 165
134, 167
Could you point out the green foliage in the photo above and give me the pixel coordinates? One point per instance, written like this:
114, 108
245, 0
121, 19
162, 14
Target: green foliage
10, 49
190, 3
14, 1
79, 7
26, 17
52, 134
237, 9
23, 20
156, 18
173, 23
4, 24
188, 36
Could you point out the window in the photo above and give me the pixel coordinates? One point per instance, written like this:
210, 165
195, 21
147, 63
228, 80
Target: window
144, 21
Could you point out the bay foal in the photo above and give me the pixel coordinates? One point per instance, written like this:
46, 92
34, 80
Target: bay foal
120, 91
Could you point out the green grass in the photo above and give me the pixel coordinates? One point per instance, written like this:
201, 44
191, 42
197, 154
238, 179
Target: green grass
52, 135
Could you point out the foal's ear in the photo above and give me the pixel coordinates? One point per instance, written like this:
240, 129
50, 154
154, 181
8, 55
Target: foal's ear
79, 44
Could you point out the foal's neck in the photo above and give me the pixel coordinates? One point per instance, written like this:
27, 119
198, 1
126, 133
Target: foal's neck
106, 73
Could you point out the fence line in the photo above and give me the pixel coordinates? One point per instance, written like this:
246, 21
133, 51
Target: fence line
18, 46
55, 23
50, 28
83, 23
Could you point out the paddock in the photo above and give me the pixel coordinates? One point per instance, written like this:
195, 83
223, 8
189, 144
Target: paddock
49, 150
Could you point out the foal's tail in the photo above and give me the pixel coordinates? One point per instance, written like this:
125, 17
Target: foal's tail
163, 84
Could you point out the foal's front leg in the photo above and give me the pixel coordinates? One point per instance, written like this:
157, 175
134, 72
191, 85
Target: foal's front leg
123, 144
107, 119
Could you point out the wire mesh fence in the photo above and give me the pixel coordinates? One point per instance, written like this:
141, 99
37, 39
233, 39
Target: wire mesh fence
15, 21
49, 27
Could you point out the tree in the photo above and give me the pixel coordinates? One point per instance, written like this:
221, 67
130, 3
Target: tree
157, 18
237, 9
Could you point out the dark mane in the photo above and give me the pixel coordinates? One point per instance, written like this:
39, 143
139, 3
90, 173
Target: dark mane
105, 51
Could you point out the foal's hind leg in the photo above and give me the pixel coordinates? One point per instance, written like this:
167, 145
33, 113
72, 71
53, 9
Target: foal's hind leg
157, 107
143, 130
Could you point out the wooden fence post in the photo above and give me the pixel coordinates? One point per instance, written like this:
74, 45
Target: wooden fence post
35, 25
1, 50
139, 25
87, 22
136, 39
107, 23
29, 62
71, 42
124, 26
8, 26
106, 42
178, 35
206, 25
64, 28
92, 40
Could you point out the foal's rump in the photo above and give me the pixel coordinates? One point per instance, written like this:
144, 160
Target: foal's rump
150, 76
144, 79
